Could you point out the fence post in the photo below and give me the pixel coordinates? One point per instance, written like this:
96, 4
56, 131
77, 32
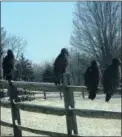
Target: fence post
60, 95
69, 102
13, 94
83, 93
45, 95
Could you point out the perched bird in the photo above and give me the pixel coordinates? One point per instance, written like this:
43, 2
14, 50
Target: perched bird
60, 65
112, 78
8, 65
92, 78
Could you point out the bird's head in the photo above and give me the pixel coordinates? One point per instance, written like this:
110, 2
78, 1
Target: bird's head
10, 53
116, 62
94, 63
64, 51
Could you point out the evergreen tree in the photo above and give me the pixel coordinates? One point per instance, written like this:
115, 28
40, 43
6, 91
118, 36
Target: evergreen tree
48, 73
24, 69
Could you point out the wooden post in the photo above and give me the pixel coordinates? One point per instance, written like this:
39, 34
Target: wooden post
45, 95
65, 79
60, 95
14, 110
69, 103
83, 93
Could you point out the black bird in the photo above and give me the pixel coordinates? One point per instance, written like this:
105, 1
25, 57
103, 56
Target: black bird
112, 78
8, 65
92, 78
60, 66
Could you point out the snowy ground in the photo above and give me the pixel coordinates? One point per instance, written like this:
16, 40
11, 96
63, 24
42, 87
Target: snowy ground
86, 126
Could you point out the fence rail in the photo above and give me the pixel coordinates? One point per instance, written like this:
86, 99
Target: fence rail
61, 111
70, 111
50, 87
36, 131
36, 108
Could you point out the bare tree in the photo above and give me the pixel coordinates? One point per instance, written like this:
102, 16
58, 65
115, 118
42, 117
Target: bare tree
2, 43
38, 70
16, 43
97, 29
77, 66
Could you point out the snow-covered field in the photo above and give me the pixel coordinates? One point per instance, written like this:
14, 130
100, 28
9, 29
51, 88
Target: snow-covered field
86, 126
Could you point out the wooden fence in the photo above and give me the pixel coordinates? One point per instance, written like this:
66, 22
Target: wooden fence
69, 111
